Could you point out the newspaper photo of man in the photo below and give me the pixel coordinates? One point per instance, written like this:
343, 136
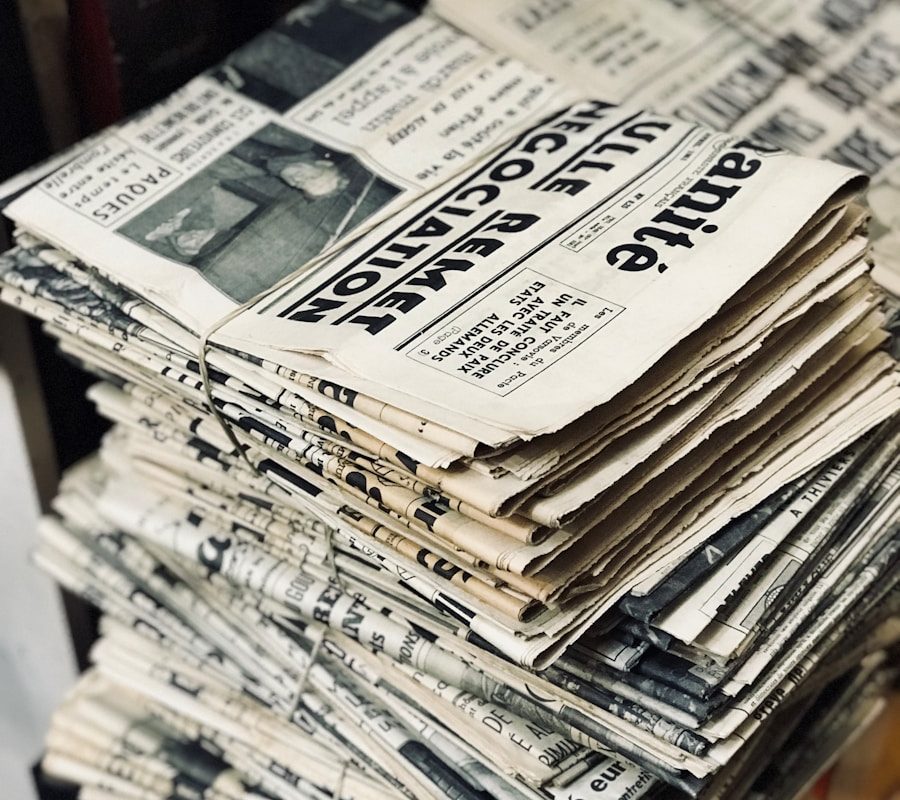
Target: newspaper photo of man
274, 201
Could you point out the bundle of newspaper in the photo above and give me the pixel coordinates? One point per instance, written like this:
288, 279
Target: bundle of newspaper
493, 424
203, 686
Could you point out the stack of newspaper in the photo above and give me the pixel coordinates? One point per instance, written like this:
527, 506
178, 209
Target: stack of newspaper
471, 439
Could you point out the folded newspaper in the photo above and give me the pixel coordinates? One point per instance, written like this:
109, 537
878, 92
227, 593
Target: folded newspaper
816, 77
471, 438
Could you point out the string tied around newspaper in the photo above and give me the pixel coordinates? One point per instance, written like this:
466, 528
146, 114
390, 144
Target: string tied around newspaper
203, 364
331, 558
339, 783
304, 676
301, 687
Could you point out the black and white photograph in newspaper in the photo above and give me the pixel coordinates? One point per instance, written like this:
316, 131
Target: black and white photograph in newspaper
260, 211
